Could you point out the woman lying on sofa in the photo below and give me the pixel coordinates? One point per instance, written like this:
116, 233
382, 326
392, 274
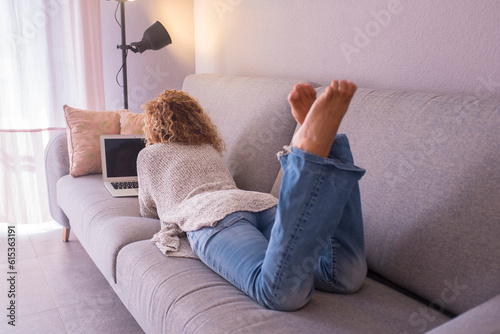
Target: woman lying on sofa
275, 250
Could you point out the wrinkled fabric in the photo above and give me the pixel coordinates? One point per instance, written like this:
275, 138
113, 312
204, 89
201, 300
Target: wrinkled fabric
188, 187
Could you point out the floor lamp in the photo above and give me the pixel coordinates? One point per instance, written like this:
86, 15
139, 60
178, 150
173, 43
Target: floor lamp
154, 38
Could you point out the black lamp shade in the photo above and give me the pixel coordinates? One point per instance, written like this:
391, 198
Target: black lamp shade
154, 38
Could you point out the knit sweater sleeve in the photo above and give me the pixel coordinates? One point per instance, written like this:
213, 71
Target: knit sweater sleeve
147, 205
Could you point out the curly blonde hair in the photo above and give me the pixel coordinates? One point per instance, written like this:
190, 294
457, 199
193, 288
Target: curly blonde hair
177, 117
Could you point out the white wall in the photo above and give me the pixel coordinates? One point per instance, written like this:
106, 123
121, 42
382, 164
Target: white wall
447, 46
151, 72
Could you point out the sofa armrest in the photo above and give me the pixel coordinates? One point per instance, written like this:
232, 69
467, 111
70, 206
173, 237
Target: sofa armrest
481, 319
56, 166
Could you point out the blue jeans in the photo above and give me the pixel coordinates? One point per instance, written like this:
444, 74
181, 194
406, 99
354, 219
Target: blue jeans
313, 238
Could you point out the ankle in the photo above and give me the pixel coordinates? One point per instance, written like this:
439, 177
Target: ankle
312, 146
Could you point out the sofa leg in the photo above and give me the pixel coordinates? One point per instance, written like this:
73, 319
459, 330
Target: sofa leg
66, 234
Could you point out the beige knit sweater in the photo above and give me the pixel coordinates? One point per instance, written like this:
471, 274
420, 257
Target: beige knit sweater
188, 187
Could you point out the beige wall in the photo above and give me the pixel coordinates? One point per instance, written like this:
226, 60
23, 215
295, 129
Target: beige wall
151, 72
449, 46
442, 46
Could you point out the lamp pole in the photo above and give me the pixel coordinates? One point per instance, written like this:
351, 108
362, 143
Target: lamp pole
154, 38
124, 55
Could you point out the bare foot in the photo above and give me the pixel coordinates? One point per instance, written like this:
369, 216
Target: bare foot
301, 98
322, 122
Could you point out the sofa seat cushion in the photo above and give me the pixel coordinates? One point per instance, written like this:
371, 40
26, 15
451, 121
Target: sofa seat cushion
180, 295
103, 224
481, 319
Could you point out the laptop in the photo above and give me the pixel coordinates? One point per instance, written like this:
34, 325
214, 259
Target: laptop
119, 163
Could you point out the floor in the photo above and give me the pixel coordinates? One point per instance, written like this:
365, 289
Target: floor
58, 288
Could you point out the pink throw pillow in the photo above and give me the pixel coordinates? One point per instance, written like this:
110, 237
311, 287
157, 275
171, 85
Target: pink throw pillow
84, 128
131, 123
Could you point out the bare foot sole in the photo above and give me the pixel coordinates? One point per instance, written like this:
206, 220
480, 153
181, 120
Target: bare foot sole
301, 98
320, 126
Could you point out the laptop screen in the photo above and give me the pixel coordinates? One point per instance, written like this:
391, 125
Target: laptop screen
121, 156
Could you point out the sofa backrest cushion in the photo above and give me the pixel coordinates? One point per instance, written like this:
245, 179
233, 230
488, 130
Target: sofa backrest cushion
254, 119
431, 193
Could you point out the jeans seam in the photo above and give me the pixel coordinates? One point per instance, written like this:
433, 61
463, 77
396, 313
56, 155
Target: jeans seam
333, 250
331, 279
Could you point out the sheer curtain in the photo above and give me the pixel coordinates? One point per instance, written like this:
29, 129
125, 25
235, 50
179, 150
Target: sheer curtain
51, 56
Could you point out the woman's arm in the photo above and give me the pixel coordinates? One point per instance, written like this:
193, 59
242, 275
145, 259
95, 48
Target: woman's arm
147, 205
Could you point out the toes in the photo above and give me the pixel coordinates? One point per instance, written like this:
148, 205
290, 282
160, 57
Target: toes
305, 90
343, 88
335, 84
352, 87
347, 89
343, 85
301, 90
329, 92
293, 96
311, 92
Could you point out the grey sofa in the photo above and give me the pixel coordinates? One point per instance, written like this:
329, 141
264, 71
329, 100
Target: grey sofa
431, 205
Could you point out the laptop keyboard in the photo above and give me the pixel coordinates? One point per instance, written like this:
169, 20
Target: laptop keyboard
125, 185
